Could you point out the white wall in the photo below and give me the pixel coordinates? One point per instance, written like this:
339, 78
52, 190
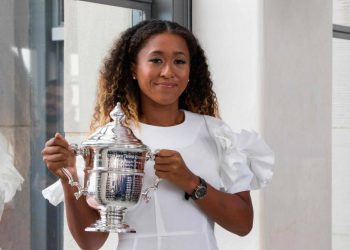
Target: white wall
271, 66
229, 32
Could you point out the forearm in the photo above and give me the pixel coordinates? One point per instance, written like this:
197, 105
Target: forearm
79, 216
233, 212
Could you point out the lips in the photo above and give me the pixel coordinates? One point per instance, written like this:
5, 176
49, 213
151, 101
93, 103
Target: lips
166, 84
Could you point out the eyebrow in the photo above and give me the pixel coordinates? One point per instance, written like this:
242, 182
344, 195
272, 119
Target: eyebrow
158, 52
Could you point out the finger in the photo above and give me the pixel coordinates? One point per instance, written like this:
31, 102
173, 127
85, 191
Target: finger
54, 150
58, 140
53, 166
55, 158
162, 175
166, 153
163, 160
49, 142
58, 135
162, 168
62, 139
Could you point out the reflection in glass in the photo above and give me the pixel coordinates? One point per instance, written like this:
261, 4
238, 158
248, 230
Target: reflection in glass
90, 31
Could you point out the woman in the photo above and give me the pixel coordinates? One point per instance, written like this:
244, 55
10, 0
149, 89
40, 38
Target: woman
158, 71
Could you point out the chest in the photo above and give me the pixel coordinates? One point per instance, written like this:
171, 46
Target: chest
198, 150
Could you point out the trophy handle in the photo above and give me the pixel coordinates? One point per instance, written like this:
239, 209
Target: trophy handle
145, 194
151, 156
81, 189
83, 151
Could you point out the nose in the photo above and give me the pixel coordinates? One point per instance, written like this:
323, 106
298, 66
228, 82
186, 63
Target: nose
167, 71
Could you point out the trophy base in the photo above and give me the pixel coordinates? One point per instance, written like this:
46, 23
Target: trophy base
112, 221
119, 228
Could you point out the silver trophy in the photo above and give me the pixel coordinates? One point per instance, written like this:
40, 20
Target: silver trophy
115, 180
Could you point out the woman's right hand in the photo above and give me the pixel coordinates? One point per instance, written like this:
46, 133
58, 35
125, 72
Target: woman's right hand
57, 154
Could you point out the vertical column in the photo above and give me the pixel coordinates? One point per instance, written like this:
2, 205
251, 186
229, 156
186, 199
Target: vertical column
296, 117
229, 32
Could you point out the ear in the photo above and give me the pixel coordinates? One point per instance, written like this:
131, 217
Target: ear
133, 70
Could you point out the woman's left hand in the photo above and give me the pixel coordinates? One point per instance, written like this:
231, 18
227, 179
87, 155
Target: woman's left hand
170, 166
232, 211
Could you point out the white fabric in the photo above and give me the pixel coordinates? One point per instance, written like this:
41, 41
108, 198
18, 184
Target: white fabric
245, 157
228, 161
10, 178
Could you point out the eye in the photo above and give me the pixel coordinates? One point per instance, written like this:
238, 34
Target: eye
155, 60
180, 61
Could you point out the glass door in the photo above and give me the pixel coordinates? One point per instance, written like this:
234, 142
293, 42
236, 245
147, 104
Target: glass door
91, 27
51, 52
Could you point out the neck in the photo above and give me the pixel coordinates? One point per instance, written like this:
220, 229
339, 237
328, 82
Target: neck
161, 115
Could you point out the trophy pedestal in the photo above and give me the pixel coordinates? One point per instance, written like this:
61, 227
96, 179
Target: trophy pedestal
120, 228
112, 221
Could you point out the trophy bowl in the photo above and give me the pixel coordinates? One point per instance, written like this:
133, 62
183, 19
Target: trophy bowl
115, 178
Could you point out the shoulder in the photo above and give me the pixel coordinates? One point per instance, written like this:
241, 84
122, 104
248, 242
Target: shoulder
212, 122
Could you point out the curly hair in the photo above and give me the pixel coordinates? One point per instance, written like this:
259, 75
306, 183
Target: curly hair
117, 85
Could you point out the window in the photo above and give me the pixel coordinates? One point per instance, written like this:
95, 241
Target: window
341, 126
50, 53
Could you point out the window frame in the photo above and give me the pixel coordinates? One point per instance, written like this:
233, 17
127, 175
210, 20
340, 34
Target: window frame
179, 11
341, 31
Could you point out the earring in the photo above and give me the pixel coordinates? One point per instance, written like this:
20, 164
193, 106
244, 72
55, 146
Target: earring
134, 77
188, 80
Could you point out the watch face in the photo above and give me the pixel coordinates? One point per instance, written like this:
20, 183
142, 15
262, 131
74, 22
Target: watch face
200, 192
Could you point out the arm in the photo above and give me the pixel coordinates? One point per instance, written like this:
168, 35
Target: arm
56, 155
80, 216
234, 212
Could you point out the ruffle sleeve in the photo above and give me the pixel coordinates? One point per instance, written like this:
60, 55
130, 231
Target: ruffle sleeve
10, 179
54, 193
246, 160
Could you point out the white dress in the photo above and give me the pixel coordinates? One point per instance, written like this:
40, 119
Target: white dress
228, 161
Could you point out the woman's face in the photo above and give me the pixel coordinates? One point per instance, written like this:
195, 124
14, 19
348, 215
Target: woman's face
162, 69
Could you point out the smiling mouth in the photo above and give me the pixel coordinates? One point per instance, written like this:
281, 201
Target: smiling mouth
166, 84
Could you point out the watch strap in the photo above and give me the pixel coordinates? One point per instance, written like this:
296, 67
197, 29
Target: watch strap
202, 184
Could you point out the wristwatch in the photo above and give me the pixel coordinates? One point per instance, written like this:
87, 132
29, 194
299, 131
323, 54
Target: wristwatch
199, 192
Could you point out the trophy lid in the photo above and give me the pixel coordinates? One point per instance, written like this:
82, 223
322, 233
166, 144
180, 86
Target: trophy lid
115, 134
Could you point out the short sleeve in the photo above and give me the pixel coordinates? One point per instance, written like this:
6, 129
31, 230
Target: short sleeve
246, 160
10, 179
